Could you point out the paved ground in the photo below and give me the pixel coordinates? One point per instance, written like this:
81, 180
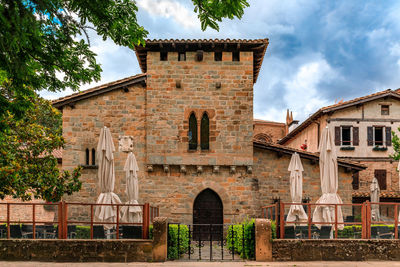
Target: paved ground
210, 264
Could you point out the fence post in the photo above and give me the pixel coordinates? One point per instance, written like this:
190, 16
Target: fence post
146, 221
368, 219
65, 220
363, 222
281, 219
60, 220
396, 222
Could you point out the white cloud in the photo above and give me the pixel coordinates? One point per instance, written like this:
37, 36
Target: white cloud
302, 89
170, 9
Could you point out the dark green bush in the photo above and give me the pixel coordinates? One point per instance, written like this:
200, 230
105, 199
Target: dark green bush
173, 252
242, 234
82, 232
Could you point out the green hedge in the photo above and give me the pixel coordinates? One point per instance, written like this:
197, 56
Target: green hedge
82, 232
173, 240
245, 231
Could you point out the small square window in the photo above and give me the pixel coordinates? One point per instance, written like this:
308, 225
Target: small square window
163, 56
182, 56
236, 56
385, 109
217, 56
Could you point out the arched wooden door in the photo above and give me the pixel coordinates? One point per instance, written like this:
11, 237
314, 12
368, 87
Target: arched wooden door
207, 210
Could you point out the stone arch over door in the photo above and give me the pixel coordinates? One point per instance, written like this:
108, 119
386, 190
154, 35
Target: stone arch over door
226, 201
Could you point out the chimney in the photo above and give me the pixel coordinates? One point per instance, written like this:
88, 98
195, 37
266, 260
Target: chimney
290, 123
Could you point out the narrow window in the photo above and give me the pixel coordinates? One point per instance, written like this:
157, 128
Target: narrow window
192, 134
217, 56
205, 132
93, 156
163, 56
378, 136
182, 56
236, 56
385, 109
87, 156
346, 136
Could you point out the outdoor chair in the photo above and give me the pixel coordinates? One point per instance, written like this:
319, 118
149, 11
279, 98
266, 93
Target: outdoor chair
289, 232
27, 231
131, 232
325, 232
385, 233
98, 232
15, 231
3, 231
374, 232
45, 232
71, 231
301, 232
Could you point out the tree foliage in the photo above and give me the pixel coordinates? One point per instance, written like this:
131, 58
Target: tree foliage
396, 146
42, 46
27, 167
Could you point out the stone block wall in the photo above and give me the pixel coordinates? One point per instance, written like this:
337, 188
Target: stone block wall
124, 114
392, 175
229, 107
271, 172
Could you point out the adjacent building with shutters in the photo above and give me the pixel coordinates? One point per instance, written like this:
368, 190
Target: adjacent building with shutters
362, 128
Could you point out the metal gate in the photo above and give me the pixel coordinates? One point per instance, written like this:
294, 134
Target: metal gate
212, 242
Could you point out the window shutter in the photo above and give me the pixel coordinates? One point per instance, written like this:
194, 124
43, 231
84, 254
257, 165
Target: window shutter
388, 136
380, 175
337, 136
370, 136
356, 138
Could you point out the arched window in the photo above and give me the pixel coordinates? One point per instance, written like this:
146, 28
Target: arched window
93, 156
205, 132
87, 156
192, 134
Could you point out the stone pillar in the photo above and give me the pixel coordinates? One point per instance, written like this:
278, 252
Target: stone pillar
160, 235
263, 240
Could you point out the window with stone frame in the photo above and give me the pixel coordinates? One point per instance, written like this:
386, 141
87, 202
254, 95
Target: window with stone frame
205, 132
356, 181
192, 134
163, 56
93, 156
217, 56
87, 156
236, 56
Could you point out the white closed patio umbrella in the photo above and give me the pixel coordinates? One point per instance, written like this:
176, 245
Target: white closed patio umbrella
375, 191
398, 169
328, 169
296, 212
106, 177
131, 214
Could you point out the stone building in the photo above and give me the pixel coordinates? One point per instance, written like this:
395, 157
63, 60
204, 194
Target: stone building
190, 118
362, 129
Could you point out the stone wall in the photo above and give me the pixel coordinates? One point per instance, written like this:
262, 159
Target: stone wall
271, 172
230, 108
274, 130
392, 175
76, 250
335, 250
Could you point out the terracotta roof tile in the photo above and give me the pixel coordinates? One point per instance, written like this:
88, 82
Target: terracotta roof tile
306, 154
390, 194
98, 89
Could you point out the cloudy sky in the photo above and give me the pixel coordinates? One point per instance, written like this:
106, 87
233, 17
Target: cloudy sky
320, 51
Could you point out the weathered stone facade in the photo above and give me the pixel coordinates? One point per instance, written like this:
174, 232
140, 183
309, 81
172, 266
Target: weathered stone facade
156, 115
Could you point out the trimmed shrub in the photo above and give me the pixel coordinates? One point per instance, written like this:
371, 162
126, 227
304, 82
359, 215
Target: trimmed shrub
243, 234
82, 232
173, 251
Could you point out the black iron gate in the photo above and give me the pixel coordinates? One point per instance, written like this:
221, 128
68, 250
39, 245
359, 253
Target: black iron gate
213, 242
